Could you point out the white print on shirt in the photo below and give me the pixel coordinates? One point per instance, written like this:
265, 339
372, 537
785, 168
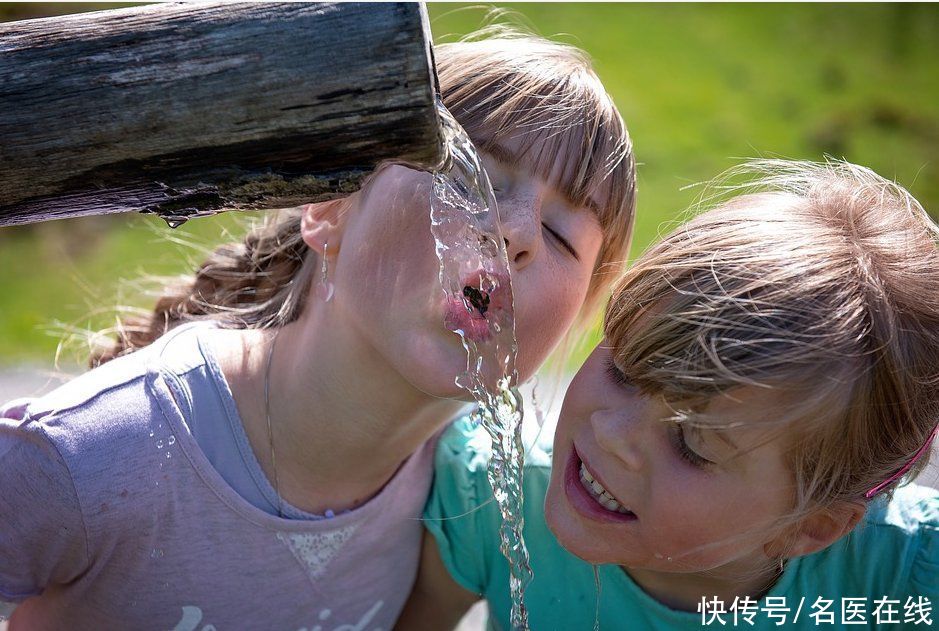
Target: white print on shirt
316, 550
192, 617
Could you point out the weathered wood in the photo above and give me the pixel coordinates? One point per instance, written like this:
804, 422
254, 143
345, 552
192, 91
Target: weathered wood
185, 109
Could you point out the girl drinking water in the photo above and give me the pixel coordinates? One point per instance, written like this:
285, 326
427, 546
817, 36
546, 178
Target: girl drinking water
256, 453
734, 448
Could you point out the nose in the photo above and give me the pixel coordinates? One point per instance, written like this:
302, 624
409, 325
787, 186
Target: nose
619, 435
521, 224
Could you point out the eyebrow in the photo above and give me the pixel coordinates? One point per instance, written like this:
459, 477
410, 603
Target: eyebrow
510, 159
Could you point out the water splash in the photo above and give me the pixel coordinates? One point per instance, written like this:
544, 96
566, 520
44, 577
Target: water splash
474, 274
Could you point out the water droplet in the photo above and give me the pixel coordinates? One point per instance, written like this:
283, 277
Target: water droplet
159, 444
168, 454
151, 433
175, 221
171, 440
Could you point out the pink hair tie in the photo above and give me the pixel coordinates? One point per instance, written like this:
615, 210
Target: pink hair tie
877, 489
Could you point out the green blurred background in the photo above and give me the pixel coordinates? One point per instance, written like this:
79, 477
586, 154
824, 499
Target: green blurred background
700, 87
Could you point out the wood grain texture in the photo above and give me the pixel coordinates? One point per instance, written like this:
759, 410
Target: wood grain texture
182, 109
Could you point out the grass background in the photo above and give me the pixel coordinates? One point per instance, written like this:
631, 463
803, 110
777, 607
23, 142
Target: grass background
700, 86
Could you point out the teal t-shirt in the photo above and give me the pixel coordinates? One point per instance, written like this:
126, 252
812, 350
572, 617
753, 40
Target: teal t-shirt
892, 556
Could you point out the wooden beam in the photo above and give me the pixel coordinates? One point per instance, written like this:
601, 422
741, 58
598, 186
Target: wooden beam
186, 109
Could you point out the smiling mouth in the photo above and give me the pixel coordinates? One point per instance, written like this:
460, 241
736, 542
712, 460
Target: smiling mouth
587, 496
600, 494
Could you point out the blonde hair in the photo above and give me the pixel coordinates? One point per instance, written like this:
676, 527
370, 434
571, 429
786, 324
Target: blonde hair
818, 281
544, 92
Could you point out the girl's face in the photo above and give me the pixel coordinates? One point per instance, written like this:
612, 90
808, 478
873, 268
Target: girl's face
692, 501
386, 275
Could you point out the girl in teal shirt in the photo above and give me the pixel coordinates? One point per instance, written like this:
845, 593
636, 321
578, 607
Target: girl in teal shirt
729, 455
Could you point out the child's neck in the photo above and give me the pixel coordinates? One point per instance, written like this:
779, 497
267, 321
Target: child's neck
683, 591
342, 421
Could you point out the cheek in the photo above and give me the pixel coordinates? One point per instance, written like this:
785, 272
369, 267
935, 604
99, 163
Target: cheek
544, 311
536, 338
708, 524
395, 210
387, 247
585, 395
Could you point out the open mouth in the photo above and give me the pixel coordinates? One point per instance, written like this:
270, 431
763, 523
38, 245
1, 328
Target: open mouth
589, 497
487, 292
486, 296
478, 298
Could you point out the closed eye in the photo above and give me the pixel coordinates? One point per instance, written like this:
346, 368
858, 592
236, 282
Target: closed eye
685, 451
564, 242
615, 374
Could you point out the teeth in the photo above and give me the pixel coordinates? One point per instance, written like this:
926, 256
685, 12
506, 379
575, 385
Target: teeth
599, 493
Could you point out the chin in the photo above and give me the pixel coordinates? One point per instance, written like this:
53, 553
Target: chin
433, 366
571, 537
568, 529
433, 371
597, 544
450, 391
438, 384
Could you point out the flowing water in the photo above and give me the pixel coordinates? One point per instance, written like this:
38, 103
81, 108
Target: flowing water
474, 274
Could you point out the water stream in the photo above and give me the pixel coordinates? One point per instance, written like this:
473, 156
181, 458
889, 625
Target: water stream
474, 274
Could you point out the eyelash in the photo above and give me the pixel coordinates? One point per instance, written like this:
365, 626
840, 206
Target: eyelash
685, 451
678, 433
615, 374
564, 243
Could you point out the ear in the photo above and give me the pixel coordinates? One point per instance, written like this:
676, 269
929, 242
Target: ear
819, 530
322, 224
